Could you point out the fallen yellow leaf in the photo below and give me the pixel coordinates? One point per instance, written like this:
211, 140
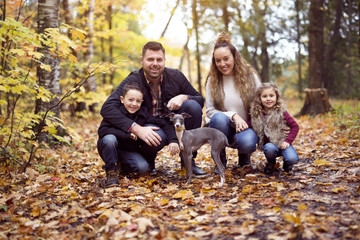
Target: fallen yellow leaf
321, 162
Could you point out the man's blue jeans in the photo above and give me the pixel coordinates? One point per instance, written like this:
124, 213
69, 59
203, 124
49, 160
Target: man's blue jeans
245, 140
193, 108
289, 154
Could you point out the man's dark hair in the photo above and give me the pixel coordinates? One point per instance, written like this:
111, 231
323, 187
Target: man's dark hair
131, 86
154, 46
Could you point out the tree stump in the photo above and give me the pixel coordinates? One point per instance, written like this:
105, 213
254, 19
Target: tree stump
316, 102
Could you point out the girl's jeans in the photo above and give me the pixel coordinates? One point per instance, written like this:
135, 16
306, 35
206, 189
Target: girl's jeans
245, 140
289, 154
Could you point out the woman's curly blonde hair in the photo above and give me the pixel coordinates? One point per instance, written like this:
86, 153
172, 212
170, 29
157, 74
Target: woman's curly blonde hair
244, 76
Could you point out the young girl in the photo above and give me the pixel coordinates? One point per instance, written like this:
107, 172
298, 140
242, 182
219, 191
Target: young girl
269, 119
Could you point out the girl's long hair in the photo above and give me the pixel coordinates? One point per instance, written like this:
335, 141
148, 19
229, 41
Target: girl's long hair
244, 76
258, 108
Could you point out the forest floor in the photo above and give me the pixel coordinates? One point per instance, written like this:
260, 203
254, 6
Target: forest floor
62, 194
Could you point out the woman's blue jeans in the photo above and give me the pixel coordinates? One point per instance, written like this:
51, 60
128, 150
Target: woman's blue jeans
289, 154
245, 140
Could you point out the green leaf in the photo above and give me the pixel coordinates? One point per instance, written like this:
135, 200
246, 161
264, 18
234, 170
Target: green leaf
4, 207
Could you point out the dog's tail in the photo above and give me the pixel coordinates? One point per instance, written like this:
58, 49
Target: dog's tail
232, 145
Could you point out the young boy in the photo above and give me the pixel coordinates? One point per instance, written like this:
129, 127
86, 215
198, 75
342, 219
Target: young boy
131, 99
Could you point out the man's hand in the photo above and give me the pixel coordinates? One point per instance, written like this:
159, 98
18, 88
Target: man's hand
147, 134
176, 102
133, 136
240, 124
284, 145
173, 148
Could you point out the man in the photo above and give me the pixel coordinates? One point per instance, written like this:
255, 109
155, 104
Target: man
166, 90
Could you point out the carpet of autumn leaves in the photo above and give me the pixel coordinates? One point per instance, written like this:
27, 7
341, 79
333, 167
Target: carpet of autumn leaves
62, 194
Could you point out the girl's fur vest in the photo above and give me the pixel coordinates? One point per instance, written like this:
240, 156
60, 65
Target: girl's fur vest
271, 126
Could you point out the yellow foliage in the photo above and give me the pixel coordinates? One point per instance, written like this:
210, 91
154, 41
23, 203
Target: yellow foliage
321, 162
45, 67
73, 59
19, 52
78, 34
183, 194
292, 218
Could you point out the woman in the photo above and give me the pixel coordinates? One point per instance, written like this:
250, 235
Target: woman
230, 88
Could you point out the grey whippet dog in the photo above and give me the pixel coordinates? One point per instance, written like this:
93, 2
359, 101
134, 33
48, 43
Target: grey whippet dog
192, 140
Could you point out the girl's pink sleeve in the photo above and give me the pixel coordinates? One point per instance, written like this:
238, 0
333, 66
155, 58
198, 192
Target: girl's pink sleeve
294, 127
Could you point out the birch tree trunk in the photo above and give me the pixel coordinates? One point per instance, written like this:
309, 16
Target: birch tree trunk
90, 84
48, 17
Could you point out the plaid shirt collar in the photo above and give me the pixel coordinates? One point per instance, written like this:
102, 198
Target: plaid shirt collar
157, 108
148, 81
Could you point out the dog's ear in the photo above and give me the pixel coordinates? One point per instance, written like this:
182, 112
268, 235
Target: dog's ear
186, 115
170, 115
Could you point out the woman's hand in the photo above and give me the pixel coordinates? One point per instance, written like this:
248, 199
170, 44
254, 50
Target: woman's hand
240, 124
173, 148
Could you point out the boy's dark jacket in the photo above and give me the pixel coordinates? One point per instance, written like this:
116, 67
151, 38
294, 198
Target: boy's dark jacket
173, 84
141, 117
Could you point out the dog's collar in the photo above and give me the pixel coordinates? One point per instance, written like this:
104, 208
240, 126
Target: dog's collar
179, 129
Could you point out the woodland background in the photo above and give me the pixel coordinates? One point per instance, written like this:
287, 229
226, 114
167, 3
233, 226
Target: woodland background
61, 59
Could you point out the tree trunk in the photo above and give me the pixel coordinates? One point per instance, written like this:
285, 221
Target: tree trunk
90, 84
48, 15
298, 36
349, 51
225, 16
110, 41
2, 61
316, 44
265, 61
316, 99
171, 16
198, 57
185, 52
331, 49
316, 102
103, 59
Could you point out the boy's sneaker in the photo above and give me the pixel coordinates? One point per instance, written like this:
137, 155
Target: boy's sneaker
287, 167
269, 168
111, 178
